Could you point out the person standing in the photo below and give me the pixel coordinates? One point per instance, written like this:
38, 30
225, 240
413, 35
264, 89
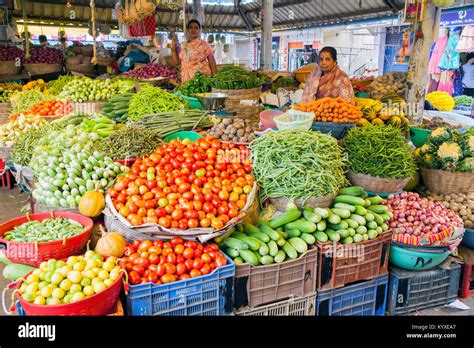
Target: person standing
468, 77
195, 54
43, 40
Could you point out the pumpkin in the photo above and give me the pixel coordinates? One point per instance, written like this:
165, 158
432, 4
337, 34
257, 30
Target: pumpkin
92, 204
110, 244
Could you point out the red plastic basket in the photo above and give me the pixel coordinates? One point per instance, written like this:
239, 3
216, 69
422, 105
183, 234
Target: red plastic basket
99, 304
35, 253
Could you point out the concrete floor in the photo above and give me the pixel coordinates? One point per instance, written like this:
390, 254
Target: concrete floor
12, 203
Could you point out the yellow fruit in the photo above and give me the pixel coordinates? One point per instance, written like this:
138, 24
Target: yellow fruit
54, 301
377, 121
57, 278
99, 287
108, 282
58, 293
108, 266
39, 300
78, 266
46, 291
103, 274
34, 287
65, 284
92, 204
74, 276
88, 290
111, 244
32, 278
78, 296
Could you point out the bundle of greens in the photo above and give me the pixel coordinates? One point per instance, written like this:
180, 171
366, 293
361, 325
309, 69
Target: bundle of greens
200, 83
236, 78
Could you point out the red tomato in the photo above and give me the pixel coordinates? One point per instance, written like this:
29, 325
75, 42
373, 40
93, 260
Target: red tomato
198, 263
153, 268
177, 214
170, 268
222, 210
183, 225
221, 260
217, 224
188, 253
178, 249
168, 278
154, 250
160, 270
213, 246
128, 266
166, 251
189, 264
142, 262
158, 243
180, 268
139, 269
193, 223
205, 222
134, 277
195, 273
180, 259
184, 277
164, 221
206, 269
133, 257
154, 259
213, 265
171, 258
206, 258
197, 254
144, 246
207, 207
167, 245
129, 250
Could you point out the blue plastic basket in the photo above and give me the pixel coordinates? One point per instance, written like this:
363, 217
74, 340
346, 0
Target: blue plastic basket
366, 298
468, 239
412, 290
211, 294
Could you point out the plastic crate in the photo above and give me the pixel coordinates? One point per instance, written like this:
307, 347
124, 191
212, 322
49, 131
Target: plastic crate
298, 306
366, 298
411, 290
341, 264
210, 294
337, 130
259, 285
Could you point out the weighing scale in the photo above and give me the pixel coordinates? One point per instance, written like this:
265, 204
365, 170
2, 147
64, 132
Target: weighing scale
215, 102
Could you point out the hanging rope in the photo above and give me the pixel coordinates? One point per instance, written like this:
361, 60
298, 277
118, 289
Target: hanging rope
94, 47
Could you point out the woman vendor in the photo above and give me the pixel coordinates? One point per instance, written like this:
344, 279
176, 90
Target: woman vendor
327, 79
195, 55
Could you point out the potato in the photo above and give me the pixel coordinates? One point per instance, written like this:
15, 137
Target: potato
226, 121
243, 139
471, 217
459, 199
447, 198
235, 139
225, 137
455, 209
463, 212
240, 133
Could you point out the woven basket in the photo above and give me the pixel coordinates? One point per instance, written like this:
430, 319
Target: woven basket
5, 153
5, 112
9, 67
376, 184
234, 96
313, 202
444, 182
89, 107
247, 112
86, 69
40, 69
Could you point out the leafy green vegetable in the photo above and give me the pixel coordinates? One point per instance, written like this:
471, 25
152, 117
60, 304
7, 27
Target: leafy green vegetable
200, 83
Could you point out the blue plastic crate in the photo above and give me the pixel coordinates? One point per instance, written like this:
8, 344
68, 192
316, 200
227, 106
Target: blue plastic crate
412, 290
211, 294
366, 298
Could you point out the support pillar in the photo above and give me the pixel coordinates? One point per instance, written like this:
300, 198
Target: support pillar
266, 35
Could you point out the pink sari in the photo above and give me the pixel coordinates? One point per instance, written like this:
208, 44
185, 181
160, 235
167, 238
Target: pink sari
194, 57
333, 84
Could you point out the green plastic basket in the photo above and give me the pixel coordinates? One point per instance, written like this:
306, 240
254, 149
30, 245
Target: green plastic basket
193, 136
194, 102
416, 260
419, 136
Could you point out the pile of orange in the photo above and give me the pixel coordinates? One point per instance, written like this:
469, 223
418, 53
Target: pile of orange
335, 110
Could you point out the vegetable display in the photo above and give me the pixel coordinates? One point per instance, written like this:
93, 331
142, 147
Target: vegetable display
39, 85
117, 107
185, 185
12, 131
7, 90
44, 231
437, 122
153, 70
464, 100
331, 110
45, 55
25, 100
421, 218
392, 82
297, 164
58, 282
85, 89
282, 82
57, 86
166, 123
9, 53
380, 151
441, 100
234, 129
462, 204
379, 113
236, 78
162, 262
200, 83
129, 142
151, 100
111, 244
449, 150
51, 108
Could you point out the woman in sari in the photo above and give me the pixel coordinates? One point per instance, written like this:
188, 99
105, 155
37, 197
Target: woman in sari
327, 79
195, 55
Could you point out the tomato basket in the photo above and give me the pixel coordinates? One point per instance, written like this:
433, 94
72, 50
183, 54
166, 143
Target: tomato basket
33, 253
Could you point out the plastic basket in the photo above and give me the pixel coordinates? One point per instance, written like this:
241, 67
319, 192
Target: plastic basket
410, 291
294, 119
116, 311
367, 298
337, 130
194, 102
340, 264
416, 260
192, 136
297, 306
210, 294
257, 285
419, 136
35, 253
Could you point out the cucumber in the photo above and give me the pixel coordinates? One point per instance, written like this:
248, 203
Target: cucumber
249, 257
323, 212
280, 257
385, 217
379, 209
372, 234
293, 233
372, 225
264, 249
349, 207
378, 219
279, 229
235, 244
361, 211
358, 238
285, 218
280, 242
308, 238
333, 218
334, 236
239, 228
379, 229
290, 251
274, 235
349, 200
283, 235
321, 226
347, 240
232, 252
375, 200
222, 237
352, 223
273, 248
341, 226
266, 260
252, 242
384, 227
249, 228
360, 219
364, 195
342, 233
311, 215
367, 203
299, 244
303, 226
342, 212
321, 236
369, 217
15, 271
352, 191
351, 231
260, 236
361, 230
390, 214
365, 237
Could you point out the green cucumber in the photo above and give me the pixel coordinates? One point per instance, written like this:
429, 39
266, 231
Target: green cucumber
372, 225
343, 225
341, 212
361, 230
349, 200
384, 227
249, 228
290, 251
249, 257
235, 244
293, 233
264, 249
365, 236
280, 242
352, 232
323, 212
283, 235
321, 236
378, 219
252, 242
361, 211
260, 236
358, 238
333, 236
367, 203
352, 223
352, 191
372, 234
285, 218
299, 244
364, 195
303, 226
232, 252
333, 218
385, 217
266, 260
239, 228
239, 261
349, 207
347, 240
273, 248
378, 229
280, 256
379, 209
222, 237
342, 233
274, 235
369, 217
360, 219
310, 215
321, 226
308, 238
375, 200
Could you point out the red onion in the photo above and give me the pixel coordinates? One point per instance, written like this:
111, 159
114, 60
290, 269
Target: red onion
45, 55
153, 70
8, 53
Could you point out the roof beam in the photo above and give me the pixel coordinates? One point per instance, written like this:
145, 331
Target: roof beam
243, 15
280, 4
391, 5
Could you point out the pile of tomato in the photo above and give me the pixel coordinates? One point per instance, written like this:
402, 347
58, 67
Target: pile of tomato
165, 262
184, 185
51, 108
